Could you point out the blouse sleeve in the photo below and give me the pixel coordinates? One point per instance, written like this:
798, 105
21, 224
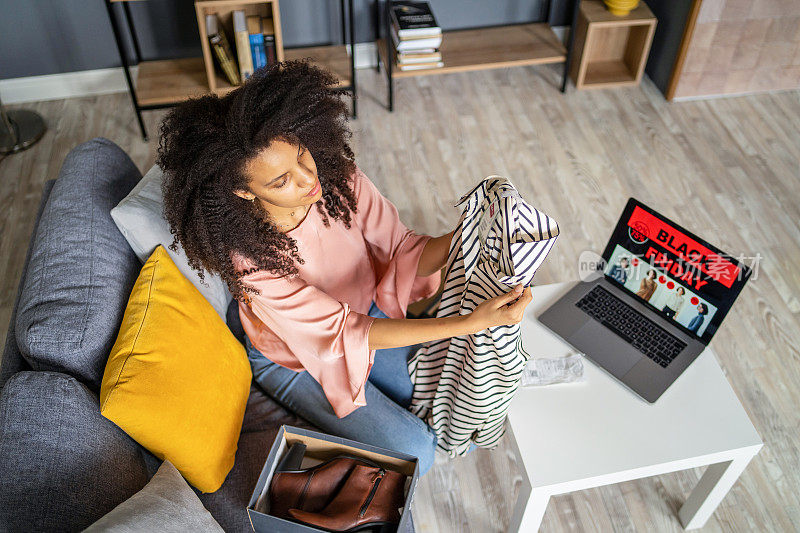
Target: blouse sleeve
306, 325
395, 251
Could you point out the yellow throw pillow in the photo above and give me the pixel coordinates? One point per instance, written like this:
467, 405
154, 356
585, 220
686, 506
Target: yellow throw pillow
177, 380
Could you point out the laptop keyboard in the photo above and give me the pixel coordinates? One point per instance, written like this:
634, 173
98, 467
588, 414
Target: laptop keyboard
640, 332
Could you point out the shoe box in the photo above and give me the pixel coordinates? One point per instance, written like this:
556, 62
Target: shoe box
321, 447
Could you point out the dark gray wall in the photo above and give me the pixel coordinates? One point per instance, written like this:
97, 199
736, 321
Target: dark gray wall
671, 15
53, 36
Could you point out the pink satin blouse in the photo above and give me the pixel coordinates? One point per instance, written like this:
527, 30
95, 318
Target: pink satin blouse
317, 321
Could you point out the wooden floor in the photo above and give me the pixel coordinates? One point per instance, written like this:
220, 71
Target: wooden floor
728, 169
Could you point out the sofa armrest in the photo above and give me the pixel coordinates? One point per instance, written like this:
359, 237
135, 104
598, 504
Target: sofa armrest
12, 361
64, 465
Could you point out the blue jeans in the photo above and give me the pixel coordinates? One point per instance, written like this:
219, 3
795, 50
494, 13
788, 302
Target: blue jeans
383, 422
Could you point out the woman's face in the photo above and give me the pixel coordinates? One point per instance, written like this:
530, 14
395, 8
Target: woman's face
282, 175
651, 275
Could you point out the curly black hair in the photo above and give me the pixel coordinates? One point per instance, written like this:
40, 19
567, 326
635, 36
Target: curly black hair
205, 144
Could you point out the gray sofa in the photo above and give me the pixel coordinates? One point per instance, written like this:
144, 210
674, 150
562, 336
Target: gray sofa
63, 465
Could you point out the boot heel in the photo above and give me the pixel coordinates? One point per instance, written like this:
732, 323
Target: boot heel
293, 458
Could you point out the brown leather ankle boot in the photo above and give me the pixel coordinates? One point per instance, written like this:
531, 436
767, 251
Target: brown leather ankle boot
369, 497
311, 489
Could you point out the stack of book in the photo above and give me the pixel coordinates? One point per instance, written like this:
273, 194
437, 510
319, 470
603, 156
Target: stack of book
416, 36
254, 37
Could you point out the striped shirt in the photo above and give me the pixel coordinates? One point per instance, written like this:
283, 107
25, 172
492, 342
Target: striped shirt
463, 385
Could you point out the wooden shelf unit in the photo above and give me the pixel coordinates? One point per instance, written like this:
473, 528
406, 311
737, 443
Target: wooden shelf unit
166, 82
472, 49
493, 47
217, 83
334, 58
610, 51
169, 81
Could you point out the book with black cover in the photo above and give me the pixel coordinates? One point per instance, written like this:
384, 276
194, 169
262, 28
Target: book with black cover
414, 19
268, 29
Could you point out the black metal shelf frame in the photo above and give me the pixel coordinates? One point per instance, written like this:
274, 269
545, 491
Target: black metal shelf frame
138, 108
385, 25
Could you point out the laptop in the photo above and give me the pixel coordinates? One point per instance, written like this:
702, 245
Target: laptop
653, 303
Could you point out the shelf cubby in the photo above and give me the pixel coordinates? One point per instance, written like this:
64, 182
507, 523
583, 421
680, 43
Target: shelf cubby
610, 51
224, 9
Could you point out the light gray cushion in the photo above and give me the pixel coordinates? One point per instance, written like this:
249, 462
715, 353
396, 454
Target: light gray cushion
166, 504
81, 269
140, 218
62, 464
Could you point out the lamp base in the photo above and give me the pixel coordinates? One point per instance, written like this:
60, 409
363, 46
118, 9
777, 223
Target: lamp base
29, 127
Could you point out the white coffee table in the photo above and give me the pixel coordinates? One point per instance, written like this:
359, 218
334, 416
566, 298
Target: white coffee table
576, 436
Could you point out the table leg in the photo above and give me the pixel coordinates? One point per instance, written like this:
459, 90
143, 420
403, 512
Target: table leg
529, 511
709, 491
531, 503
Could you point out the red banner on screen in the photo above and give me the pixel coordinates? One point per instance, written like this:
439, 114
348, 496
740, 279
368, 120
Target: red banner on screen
687, 249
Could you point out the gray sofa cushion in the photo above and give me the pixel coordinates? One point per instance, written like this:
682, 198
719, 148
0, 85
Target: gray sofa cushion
12, 361
81, 269
63, 465
167, 504
140, 218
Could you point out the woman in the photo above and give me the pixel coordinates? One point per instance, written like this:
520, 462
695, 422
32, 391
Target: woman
620, 271
674, 303
699, 318
647, 286
261, 188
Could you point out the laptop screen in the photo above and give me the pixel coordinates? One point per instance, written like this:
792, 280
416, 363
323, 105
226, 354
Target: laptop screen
680, 275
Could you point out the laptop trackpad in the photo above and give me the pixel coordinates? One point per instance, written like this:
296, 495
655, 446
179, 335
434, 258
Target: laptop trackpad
605, 348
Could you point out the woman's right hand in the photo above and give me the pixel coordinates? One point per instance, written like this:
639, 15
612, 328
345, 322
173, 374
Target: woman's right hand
501, 310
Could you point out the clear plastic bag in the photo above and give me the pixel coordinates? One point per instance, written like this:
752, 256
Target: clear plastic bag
545, 371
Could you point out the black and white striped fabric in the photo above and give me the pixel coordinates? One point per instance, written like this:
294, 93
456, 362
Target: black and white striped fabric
463, 385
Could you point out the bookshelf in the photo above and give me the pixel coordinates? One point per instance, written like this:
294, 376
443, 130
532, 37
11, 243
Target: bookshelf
163, 83
224, 9
476, 48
